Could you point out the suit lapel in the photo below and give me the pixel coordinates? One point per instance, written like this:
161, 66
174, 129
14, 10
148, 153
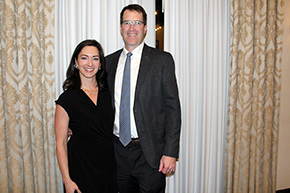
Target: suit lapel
143, 69
145, 66
113, 62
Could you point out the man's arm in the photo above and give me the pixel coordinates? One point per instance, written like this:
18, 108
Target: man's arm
173, 119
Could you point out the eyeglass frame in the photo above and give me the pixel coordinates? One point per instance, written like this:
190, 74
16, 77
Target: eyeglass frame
133, 22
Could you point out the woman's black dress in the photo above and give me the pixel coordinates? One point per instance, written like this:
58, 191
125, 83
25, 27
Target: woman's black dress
90, 148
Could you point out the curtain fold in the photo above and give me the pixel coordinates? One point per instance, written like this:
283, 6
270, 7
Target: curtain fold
254, 97
197, 34
27, 161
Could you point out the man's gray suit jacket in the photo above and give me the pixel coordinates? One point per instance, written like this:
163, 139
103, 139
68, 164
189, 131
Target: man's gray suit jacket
156, 105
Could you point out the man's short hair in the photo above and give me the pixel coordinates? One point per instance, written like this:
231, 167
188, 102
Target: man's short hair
134, 7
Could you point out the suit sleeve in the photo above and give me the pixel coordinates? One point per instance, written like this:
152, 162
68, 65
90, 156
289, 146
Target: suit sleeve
172, 109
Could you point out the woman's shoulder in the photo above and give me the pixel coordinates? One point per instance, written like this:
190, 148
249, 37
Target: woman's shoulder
68, 94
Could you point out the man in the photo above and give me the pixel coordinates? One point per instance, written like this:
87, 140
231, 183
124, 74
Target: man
154, 109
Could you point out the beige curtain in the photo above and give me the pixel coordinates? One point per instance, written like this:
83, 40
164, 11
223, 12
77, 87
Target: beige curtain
254, 97
27, 93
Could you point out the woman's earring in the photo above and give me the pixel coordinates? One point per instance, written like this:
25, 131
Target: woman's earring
100, 68
76, 66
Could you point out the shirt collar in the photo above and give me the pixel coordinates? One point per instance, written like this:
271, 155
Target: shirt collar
136, 52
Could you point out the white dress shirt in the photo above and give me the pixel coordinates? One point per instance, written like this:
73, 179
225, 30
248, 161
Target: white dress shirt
135, 63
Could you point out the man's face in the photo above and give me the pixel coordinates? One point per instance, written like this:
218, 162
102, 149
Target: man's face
133, 35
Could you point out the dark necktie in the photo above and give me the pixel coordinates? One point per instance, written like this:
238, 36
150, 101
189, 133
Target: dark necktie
125, 122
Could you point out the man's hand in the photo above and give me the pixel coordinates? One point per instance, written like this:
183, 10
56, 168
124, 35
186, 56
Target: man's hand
69, 133
167, 165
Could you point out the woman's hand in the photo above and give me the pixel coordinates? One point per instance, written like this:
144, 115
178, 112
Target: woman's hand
71, 187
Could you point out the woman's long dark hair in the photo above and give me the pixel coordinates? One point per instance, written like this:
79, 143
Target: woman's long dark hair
73, 79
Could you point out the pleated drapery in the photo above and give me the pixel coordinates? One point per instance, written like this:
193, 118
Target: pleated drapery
197, 34
254, 98
27, 91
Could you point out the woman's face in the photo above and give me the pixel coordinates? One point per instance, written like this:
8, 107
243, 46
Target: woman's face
88, 62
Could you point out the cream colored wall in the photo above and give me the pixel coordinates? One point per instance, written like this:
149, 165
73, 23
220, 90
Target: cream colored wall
283, 168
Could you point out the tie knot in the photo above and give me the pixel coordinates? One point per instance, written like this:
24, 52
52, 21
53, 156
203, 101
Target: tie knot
129, 54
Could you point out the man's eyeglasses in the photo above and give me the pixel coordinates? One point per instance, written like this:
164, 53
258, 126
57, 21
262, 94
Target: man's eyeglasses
136, 23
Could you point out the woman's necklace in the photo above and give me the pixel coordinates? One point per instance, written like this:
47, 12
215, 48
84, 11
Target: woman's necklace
90, 93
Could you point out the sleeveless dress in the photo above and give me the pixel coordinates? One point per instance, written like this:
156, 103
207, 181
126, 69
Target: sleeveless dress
91, 157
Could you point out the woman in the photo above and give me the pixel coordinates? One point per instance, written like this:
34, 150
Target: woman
87, 160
